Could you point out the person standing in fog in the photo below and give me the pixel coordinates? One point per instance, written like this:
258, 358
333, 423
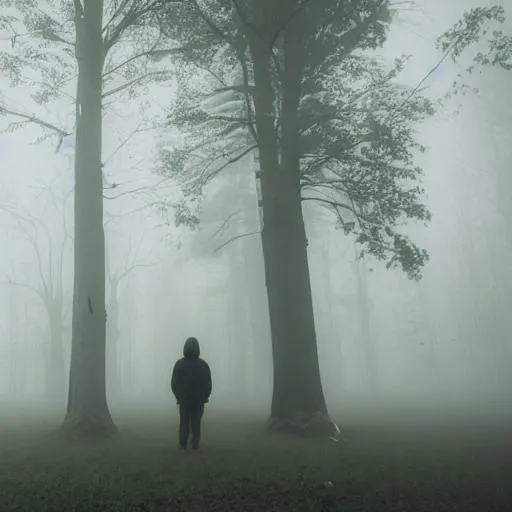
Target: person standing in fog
191, 384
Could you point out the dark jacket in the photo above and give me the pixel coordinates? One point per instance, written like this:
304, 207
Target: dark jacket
191, 380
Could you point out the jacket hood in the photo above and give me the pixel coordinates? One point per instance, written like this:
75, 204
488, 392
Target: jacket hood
191, 348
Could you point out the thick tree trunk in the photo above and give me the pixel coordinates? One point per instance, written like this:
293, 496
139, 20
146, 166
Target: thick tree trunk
297, 391
87, 411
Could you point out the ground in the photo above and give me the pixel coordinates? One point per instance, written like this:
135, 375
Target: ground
376, 466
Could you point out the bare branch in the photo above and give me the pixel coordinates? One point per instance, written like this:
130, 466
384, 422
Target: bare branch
27, 286
231, 161
134, 81
30, 118
417, 88
117, 12
149, 53
237, 237
122, 144
133, 191
62, 211
332, 203
115, 217
223, 225
334, 184
34, 242
242, 88
129, 270
133, 14
336, 205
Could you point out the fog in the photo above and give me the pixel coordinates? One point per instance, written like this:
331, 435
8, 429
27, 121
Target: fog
387, 345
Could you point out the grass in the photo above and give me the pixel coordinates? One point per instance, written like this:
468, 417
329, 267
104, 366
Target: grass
242, 467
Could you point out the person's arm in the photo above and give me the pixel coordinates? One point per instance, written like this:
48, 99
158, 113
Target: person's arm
207, 381
175, 379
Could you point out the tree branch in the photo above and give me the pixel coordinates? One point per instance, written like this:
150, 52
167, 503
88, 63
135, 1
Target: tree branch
149, 53
223, 225
127, 272
133, 14
27, 286
138, 189
288, 20
46, 283
33, 119
122, 144
228, 163
350, 39
237, 237
126, 85
116, 13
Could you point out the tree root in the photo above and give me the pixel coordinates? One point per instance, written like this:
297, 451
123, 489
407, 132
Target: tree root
316, 424
84, 426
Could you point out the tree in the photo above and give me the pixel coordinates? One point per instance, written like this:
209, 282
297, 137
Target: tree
330, 125
114, 281
82, 44
364, 313
490, 287
470, 30
50, 259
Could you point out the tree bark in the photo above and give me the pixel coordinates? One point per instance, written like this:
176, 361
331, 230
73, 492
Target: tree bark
87, 410
297, 389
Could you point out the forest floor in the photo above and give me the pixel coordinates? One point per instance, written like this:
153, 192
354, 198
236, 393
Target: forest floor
414, 467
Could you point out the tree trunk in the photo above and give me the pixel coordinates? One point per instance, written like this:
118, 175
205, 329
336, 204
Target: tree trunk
113, 363
366, 340
87, 411
297, 390
55, 364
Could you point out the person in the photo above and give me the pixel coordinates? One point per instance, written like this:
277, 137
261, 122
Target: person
191, 384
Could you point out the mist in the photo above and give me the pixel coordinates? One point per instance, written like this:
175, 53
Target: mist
441, 341
391, 350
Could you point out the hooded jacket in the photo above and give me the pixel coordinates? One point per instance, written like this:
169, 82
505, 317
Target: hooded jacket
191, 380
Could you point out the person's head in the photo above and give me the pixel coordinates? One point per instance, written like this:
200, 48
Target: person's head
191, 348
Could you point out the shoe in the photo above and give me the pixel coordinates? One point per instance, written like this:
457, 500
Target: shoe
183, 446
195, 447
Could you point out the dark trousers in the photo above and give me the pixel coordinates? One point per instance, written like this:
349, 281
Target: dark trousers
190, 420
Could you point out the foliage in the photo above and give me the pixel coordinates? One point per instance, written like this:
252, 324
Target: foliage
357, 138
473, 29
41, 56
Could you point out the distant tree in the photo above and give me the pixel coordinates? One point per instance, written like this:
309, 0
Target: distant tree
50, 253
458, 43
114, 282
488, 283
106, 48
330, 124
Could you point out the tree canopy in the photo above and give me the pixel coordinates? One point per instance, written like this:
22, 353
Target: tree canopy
357, 122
